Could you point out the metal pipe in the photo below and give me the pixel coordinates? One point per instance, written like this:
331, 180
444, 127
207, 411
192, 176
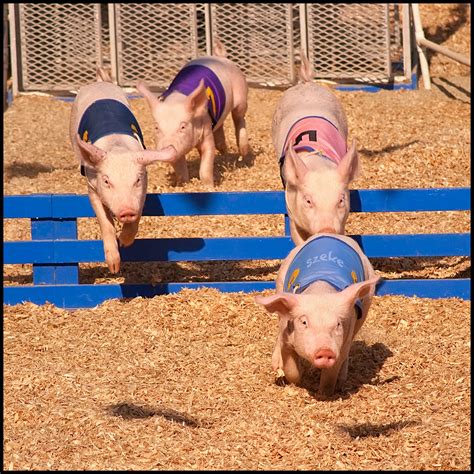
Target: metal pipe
441, 49
425, 70
5, 56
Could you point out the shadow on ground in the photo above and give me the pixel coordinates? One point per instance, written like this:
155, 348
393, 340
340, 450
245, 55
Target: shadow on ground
131, 411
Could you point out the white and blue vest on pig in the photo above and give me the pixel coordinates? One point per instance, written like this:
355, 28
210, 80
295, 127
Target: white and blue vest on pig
107, 117
326, 259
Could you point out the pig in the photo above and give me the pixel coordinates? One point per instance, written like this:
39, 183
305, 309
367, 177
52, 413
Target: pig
191, 112
309, 134
324, 289
107, 140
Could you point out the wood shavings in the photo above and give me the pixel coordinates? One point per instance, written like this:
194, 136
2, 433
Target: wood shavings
184, 381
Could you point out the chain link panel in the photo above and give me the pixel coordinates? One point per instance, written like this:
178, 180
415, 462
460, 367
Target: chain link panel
154, 40
60, 44
349, 40
258, 37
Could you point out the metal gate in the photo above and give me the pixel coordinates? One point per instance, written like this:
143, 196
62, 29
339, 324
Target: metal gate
153, 40
349, 40
59, 44
56, 47
259, 38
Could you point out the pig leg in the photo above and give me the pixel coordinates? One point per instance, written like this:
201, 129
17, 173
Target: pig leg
291, 365
277, 361
238, 117
207, 151
343, 373
336, 375
328, 380
181, 170
219, 139
128, 233
107, 229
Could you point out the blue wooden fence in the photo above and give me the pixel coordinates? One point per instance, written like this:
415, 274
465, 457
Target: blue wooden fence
55, 251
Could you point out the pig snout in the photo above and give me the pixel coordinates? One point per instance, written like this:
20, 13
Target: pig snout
127, 216
324, 359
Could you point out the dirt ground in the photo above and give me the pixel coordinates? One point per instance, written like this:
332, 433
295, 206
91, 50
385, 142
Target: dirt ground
184, 381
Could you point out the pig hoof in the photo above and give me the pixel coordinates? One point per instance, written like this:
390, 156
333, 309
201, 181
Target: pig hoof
113, 262
208, 183
244, 150
280, 379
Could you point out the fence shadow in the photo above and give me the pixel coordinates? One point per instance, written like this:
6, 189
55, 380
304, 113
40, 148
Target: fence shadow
458, 12
414, 264
167, 272
451, 90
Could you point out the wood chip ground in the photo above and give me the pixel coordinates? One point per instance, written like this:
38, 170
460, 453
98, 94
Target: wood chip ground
184, 381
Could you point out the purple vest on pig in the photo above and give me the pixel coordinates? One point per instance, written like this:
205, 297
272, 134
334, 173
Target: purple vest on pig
189, 78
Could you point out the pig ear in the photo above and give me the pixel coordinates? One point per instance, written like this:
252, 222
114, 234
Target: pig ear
198, 98
147, 157
281, 303
93, 155
349, 167
295, 169
359, 290
146, 93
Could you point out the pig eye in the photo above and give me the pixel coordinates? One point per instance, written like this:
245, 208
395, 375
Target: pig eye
304, 322
308, 201
183, 126
138, 181
341, 201
106, 180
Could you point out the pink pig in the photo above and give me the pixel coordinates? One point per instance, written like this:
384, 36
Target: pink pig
309, 133
324, 290
107, 140
191, 112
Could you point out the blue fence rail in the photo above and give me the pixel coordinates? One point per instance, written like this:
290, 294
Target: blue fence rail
55, 251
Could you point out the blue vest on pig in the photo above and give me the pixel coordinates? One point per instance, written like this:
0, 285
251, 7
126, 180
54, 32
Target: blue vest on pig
189, 78
107, 117
326, 259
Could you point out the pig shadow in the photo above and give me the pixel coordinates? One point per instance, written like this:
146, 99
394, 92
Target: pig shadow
369, 430
387, 149
26, 170
365, 362
131, 411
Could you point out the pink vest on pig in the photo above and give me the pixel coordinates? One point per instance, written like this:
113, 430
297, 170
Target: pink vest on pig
315, 134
